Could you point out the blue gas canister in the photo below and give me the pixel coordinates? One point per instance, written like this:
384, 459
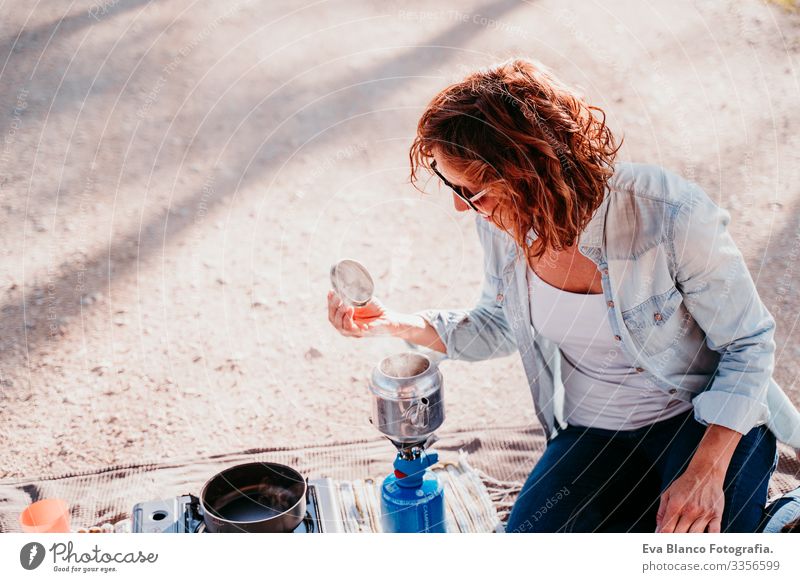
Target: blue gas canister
412, 498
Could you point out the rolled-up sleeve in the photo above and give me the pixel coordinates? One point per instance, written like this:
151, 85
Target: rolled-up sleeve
721, 296
483, 332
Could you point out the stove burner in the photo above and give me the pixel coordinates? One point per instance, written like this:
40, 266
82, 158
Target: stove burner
306, 526
412, 450
184, 515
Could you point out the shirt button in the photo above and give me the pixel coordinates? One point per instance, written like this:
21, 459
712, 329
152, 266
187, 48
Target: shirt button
618, 338
672, 390
657, 316
605, 271
640, 370
610, 304
499, 297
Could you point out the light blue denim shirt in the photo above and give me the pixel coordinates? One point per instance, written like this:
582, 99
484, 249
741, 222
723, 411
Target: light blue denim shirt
680, 300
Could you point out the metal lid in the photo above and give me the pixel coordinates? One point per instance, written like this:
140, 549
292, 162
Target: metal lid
352, 282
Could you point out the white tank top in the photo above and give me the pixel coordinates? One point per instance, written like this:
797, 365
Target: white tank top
601, 388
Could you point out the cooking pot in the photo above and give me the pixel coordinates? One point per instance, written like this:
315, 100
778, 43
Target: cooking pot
407, 397
254, 497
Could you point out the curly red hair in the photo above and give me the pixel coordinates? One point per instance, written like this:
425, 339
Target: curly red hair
514, 128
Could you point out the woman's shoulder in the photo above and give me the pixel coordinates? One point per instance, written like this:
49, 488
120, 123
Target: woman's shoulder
648, 183
648, 204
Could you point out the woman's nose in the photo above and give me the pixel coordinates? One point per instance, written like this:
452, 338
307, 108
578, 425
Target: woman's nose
459, 204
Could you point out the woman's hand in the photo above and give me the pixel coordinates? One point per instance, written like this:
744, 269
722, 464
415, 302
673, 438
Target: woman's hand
695, 500
368, 320
693, 503
374, 319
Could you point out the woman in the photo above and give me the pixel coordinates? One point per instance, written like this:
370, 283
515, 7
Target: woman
648, 352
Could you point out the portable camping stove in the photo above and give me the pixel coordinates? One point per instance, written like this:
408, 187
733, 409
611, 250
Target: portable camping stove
184, 514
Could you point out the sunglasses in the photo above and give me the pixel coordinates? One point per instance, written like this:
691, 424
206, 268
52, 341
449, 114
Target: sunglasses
461, 192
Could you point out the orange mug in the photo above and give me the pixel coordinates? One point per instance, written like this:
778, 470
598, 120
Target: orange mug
46, 516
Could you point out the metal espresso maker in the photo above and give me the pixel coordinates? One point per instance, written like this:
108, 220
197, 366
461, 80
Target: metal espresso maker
407, 406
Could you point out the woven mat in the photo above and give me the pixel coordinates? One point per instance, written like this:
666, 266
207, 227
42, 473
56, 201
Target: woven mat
501, 457
469, 507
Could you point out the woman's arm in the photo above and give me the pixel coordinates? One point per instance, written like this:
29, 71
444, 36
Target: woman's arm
480, 333
722, 298
476, 334
720, 294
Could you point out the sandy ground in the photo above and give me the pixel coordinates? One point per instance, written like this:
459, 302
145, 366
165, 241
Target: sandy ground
176, 179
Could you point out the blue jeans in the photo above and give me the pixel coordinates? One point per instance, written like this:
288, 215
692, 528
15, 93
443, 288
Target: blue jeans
592, 479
